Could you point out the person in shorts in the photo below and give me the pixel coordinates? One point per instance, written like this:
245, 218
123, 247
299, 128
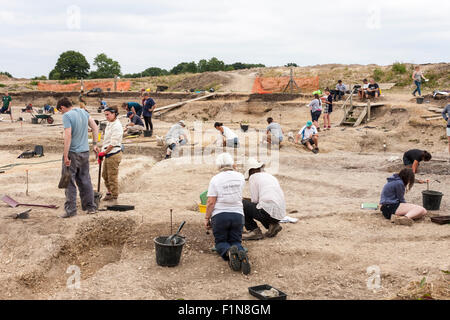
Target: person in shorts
316, 110
373, 90
393, 204
309, 137
6, 108
327, 102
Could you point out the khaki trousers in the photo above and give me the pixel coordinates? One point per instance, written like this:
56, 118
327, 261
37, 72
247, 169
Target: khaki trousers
111, 173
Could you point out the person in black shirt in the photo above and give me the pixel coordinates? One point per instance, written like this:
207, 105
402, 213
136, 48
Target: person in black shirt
373, 90
411, 158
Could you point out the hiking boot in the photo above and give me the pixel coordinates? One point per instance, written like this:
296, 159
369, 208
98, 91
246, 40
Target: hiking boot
109, 197
68, 215
245, 264
401, 220
233, 255
274, 228
255, 234
314, 150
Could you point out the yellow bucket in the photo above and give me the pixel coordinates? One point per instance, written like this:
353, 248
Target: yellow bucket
202, 208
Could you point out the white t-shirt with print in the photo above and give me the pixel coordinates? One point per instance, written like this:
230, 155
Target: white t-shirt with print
227, 186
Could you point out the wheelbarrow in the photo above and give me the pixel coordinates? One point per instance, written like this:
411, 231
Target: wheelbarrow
42, 118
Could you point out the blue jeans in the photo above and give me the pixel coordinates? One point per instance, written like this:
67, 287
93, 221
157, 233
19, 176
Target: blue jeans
227, 230
417, 83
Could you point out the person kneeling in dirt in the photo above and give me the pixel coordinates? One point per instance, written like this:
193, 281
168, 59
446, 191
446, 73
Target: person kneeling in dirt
267, 203
411, 159
176, 135
229, 138
225, 214
274, 132
112, 152
135, 126
309, 137
393, 204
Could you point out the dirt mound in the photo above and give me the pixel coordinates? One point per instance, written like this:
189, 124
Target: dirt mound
203, 81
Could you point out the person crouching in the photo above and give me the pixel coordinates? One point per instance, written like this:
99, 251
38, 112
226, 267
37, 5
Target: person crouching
267, 203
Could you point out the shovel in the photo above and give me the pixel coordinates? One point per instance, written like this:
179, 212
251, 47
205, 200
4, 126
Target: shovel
171, 239
13, 203
22, 215
97, 195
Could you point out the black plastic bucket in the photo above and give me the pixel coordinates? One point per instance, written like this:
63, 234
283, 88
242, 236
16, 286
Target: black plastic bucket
431, 199
148, 133
419, 100
168, 255
244, 127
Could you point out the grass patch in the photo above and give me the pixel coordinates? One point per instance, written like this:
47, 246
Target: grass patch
2, 85
34, 83
398, 67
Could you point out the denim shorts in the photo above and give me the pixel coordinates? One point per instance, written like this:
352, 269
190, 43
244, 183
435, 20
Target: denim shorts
389, 209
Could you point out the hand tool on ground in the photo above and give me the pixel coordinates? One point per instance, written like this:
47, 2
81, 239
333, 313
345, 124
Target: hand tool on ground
22, 215
13, 203
98, 195
172, 238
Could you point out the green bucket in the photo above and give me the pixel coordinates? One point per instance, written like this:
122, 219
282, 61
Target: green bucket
204, 197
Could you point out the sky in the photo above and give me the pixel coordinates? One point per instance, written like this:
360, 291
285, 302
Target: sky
163, 33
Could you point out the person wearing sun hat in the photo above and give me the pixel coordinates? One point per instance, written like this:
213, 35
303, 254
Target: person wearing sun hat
309, 137
267, 203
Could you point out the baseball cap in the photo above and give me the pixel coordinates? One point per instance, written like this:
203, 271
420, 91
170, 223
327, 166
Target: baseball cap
129, 113
308, 123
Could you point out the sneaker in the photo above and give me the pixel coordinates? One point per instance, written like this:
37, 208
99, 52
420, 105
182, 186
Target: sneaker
329, 128
401, 220
92, 211
233, 255
255, 234
314, 150
274, 228
68, 215
245, 264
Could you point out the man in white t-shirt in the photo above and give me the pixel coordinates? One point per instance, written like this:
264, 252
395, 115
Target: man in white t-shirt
229, 138
267, 203
309, 137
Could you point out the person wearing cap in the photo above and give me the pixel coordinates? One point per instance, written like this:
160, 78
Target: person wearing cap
274, 132
229, 138
446, 116
149, 106
175, 136
309, 137
135, 126
316, 110
267, 203
225, 213
134, 107
112, 153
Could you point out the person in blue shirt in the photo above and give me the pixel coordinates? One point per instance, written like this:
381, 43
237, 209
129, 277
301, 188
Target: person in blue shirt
134, 107
76, 157
393, 204
149, 106
135, 126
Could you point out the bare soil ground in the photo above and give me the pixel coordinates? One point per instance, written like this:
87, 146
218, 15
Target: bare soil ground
325, 255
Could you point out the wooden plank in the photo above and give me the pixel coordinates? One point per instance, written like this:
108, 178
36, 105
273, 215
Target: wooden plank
360, 118
179, 104
387, 85
368, 111
378, 104
434, 118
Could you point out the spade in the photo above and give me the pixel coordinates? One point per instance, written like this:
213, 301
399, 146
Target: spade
171, 239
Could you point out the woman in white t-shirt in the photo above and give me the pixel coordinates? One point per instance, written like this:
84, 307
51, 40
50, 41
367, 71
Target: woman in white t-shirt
225, 213
230, 139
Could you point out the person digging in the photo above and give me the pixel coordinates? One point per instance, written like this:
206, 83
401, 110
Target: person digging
309, 137
267, 203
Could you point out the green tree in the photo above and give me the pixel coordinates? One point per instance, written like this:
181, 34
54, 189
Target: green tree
5, 73
106, 67
184, 67
70, 65
291, 64
202, 65
215, 64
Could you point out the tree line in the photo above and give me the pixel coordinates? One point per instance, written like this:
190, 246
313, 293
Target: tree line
74, 65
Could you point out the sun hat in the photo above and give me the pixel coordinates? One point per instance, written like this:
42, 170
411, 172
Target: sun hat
252, 163
182, 123
224, 160
309, 123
